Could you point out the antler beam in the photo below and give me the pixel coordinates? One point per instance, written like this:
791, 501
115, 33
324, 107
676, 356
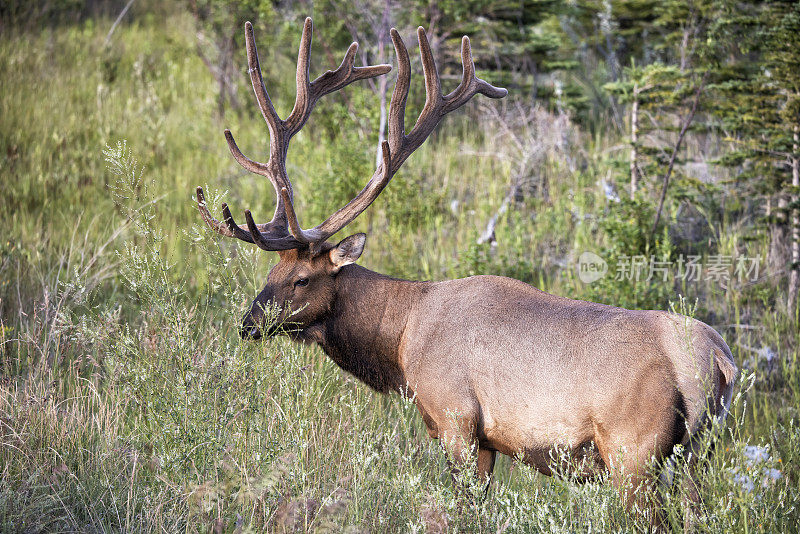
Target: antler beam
284, 231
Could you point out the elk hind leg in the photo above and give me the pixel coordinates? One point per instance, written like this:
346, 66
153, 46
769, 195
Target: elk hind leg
631, 460
632, 475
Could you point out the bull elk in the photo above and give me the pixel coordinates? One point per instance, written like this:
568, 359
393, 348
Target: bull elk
493, 364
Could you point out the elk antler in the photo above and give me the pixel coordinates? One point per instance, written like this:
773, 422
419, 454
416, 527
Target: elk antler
284, 231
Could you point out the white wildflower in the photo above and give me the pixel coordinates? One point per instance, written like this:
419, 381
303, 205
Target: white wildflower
755, 454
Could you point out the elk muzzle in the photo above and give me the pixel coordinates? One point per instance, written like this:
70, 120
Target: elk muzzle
254, 330
262, 320
249, 329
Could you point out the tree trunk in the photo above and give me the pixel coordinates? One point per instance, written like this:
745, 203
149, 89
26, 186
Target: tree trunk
686, 123
794, 277
777, 255
222, 65
635, 141
383, 81
228, 75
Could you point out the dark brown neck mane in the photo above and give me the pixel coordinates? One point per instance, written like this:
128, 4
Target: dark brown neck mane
363, 331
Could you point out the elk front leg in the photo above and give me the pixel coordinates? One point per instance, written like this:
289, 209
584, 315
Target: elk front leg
459, 440
486, 458
462, 448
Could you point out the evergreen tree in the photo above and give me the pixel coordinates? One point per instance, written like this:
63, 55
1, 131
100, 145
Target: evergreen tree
519, 43
758, 104
665, 85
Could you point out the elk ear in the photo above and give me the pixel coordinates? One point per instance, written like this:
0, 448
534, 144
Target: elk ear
347, 251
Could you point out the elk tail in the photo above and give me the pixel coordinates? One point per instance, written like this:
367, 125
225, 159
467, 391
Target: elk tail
712, 416
727, 373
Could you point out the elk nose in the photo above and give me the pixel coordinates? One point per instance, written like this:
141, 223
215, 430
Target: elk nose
250, 332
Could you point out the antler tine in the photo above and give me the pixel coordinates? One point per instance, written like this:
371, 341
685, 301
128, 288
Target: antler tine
228, 228
235, 229
305, 236
244, 161
303, 102
345, 74
470, 84
258, 238
309, 92
274, 122
397, 105
433, 86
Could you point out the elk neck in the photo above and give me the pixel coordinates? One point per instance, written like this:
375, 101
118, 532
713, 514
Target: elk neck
363, 331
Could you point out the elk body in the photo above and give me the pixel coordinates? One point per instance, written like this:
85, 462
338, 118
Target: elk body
493, 364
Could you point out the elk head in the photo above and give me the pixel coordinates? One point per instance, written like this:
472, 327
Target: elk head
302, 284
300, 289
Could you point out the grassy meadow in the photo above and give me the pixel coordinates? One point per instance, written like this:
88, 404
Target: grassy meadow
128, 401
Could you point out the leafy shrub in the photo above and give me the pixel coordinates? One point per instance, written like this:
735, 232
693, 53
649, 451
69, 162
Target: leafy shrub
625, 231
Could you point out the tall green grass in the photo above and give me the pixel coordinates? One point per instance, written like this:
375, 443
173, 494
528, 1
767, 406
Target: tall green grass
127, 400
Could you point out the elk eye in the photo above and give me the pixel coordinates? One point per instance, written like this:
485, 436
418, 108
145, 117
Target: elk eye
301, 282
